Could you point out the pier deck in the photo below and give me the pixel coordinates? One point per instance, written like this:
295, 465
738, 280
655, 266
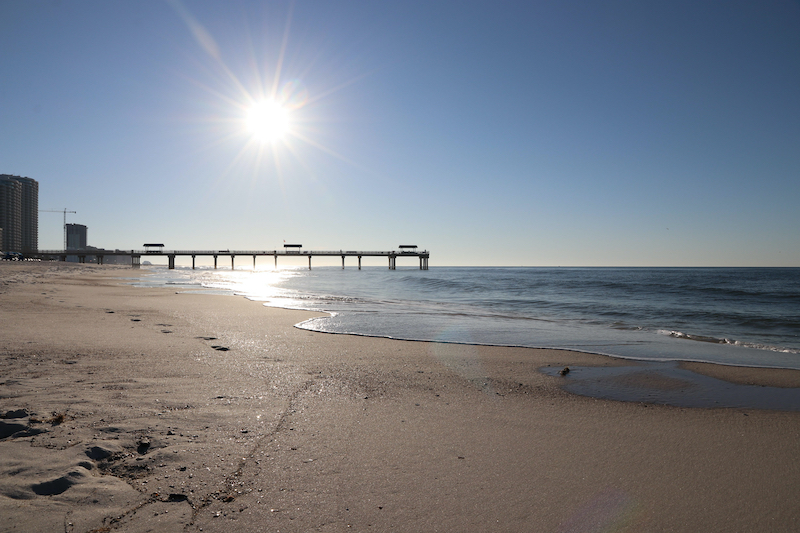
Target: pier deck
136, 255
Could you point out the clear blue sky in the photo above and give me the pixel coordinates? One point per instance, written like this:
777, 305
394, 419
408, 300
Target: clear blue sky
547, 133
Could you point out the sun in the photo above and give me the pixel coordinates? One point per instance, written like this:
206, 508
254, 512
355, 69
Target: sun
268, 121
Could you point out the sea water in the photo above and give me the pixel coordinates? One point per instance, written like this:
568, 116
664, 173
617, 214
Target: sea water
737, 316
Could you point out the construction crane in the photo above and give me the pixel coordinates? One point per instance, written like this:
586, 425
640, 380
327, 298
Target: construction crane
65, 220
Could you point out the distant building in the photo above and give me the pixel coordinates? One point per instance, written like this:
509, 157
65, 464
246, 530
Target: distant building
76, 237
30, 214
19, 213
11, 214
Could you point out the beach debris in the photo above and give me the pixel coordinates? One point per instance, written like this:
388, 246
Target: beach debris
142, 445
564, 371
55, 419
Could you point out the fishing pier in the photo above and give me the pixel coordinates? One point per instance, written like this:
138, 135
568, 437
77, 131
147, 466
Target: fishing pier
289, 250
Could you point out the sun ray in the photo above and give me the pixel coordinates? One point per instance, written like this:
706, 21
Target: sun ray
222, 96
206, 41
325, 149
254, 62
282, 53
339, 87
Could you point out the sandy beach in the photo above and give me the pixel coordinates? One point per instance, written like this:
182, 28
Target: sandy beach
135, 409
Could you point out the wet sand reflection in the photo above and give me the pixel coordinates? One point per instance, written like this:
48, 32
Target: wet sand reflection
668, 384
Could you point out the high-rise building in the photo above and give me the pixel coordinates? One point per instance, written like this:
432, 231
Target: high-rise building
11, 214
76, 237
30, 214
19, 213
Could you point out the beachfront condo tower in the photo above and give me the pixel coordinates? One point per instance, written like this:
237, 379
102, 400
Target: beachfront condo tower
19, 213
76, 237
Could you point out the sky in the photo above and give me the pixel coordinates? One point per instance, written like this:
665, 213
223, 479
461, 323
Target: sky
535, 133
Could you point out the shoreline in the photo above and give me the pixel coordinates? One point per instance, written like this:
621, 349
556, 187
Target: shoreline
644, 342
144, 408
788, 378
694, 363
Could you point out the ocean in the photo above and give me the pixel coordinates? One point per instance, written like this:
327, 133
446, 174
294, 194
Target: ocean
734, 316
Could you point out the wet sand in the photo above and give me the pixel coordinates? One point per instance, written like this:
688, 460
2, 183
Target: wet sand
131, 409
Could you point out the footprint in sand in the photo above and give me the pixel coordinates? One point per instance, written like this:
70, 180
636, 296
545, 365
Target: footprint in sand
221, 348
59, 485
207, 338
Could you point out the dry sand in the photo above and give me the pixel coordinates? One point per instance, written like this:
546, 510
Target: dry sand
131, 409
